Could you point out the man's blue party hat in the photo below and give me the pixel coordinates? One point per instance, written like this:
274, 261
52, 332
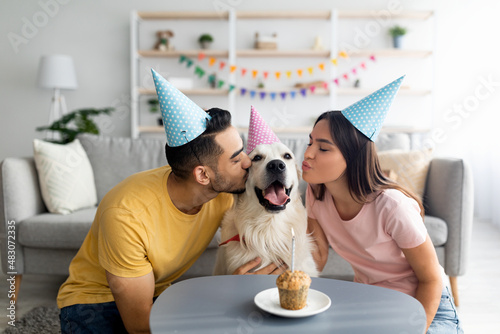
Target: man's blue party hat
182, 118
368, 114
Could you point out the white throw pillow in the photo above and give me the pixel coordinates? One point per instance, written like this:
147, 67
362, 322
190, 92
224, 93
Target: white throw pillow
65, 175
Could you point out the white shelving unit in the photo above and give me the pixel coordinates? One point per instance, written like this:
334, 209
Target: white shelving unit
233, 54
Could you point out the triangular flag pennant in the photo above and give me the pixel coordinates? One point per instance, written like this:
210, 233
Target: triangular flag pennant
343, 54
346, 76
259, 133
303, 91
232, 68
231, 87
189, 63
252, 93
211, 61
220, 83
289, 74
266, 74
312, 88
372, 57
254, 73
283, 95
182, 118
221, 65
292, 94
363, 65
243, 71
273, 95
334, 61
299, 72
201, 55
336, 81
199, 71
278, 74
262, 95
368, 114
321, 66
243, 91
310, 70
182, 58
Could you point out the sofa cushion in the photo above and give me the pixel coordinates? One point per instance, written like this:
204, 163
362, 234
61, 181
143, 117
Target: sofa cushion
437, 229
410, 167
65, 175
113, 158
49, 230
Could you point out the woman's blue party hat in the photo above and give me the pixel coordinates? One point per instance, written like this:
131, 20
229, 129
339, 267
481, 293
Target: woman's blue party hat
182, 118
368, 114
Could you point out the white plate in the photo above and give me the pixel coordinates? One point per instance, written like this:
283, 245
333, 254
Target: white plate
269, 301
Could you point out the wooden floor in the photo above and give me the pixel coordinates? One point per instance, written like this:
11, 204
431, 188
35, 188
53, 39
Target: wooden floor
479, 289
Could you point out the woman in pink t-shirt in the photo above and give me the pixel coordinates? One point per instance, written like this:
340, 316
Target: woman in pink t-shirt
372, 222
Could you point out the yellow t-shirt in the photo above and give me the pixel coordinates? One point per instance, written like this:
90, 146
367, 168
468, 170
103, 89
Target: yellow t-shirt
138, 229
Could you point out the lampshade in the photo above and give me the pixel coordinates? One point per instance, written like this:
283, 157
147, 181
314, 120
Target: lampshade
57, 71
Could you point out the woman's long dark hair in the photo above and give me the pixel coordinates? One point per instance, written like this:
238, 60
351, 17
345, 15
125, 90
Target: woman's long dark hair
363, 172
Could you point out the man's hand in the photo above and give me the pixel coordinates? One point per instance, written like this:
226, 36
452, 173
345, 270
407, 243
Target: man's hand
134, 299
272, 269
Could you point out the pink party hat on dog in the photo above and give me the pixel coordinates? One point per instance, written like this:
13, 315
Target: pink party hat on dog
182, 118
259, 132
368, 114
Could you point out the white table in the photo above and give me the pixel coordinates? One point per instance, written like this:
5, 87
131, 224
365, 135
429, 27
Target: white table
225, 304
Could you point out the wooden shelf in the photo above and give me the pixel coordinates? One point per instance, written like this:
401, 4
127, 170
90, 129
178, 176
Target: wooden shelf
316, 15
367, 14
187, 53
182, 15
366, 91
298, 130
391, 53
196, 91
282, 53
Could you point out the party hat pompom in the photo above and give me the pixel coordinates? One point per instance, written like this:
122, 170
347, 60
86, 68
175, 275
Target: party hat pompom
259, 132
368, 114
182, 118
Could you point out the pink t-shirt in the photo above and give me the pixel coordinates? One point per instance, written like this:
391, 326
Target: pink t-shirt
371, 242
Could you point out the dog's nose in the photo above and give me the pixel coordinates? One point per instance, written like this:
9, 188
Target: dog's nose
276, 166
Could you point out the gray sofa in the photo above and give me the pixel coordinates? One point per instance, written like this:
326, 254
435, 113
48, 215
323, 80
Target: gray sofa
46, 243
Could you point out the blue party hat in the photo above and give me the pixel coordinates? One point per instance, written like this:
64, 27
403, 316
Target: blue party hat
182, 118
368, 114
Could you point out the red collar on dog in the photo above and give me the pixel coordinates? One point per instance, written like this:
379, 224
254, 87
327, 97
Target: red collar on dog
235, 238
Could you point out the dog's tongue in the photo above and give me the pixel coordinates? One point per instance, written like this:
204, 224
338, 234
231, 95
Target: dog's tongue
275, 194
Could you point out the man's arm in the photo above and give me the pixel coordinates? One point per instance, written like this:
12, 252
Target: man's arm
134, 299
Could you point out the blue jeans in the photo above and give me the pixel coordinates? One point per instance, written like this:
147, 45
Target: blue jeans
91, 318
446, 319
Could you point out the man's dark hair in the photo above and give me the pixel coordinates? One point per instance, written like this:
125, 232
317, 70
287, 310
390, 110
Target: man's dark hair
203, 150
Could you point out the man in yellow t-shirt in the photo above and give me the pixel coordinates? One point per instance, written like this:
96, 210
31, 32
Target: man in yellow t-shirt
150, 228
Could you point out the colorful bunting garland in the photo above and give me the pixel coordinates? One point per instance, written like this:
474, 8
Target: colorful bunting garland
200, 72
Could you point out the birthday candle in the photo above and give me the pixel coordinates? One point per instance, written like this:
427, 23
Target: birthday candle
293, 250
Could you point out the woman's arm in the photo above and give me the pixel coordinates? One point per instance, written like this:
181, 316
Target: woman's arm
425, 264
320, 253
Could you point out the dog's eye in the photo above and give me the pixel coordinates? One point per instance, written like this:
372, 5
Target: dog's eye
287, 156
257, 158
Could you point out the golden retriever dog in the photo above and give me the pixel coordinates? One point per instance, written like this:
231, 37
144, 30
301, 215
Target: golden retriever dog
260, 223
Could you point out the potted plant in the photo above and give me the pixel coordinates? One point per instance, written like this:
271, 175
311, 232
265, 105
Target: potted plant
74, 123
397, 32
153, 108
205, 40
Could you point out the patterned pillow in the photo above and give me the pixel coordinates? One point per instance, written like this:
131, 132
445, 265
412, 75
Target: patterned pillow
65, 175
410, 168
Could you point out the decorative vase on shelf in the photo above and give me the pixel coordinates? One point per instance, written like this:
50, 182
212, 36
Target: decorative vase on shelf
397, 41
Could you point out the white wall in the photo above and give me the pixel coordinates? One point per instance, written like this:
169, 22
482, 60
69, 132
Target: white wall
96, 35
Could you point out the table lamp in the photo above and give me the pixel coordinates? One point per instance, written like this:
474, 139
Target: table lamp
57, 72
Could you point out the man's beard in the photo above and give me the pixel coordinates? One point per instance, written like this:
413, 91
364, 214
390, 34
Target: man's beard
223, 186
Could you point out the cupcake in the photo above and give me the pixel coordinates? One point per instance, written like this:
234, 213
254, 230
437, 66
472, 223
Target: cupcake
293, 289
